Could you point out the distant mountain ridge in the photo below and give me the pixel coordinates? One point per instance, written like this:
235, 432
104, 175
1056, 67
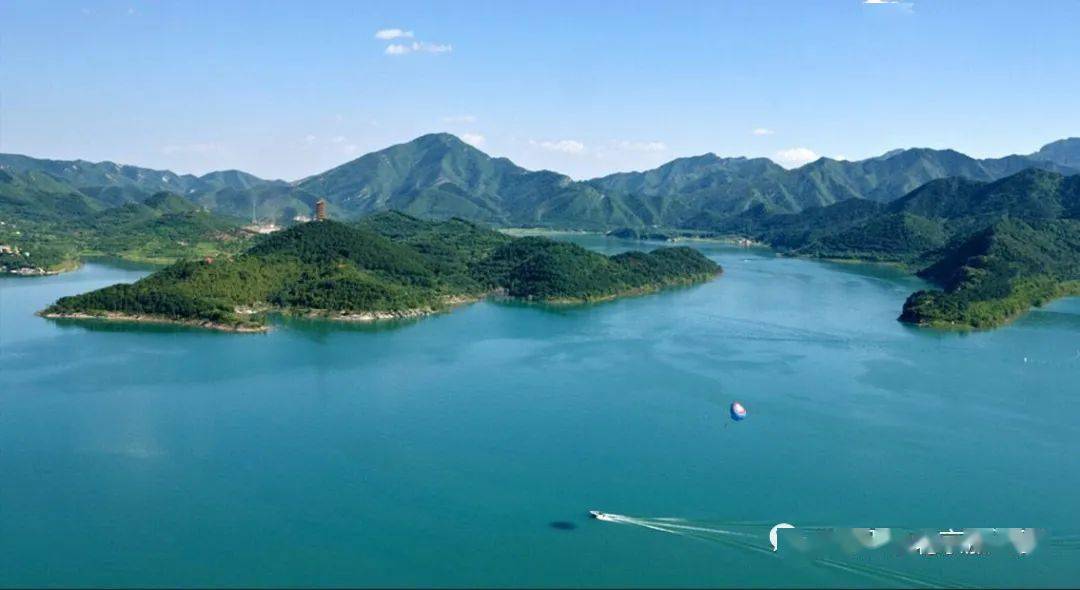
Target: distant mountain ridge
699, 191
107, 184
82, 174
1065, 152
438, 176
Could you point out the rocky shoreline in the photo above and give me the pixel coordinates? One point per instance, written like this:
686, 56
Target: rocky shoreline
323, 314
404, 314
448, 303
37, 271
113, 316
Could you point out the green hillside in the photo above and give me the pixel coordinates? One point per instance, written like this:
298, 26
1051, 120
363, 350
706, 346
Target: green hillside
1000, 273
704, 192
390, 265
106, 184
790, 231
915, 206
893, 237
997, 248
275, 201
96, 178
438, 176
53, 225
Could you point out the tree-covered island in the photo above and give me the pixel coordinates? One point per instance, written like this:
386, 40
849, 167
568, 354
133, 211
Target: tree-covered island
388, 265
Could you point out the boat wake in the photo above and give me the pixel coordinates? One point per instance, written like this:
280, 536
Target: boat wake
760, 539
745, 540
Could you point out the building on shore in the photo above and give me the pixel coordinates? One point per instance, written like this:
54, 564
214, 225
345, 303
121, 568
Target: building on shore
262, 228
320, 210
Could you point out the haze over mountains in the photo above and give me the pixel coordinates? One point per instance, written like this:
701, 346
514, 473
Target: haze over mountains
440, 176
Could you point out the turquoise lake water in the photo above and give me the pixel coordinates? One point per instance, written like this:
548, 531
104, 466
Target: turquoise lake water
441, 451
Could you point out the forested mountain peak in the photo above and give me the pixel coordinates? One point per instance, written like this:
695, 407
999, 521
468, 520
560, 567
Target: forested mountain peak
438, 176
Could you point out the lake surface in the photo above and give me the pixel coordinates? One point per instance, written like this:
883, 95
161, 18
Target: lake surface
465, 449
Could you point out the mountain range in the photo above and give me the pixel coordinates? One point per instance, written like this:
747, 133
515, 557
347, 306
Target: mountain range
997, 235
439, 176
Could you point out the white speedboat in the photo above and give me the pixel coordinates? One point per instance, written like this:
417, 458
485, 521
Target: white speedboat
600, 515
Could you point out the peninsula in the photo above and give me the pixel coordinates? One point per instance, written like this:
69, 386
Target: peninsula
995, 249
388, 265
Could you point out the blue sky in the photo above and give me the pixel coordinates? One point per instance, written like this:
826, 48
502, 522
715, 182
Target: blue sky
285, 90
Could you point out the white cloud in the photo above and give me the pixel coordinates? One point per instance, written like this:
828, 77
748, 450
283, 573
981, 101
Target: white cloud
387, 34
433, 47
641, 146
473, 139
760, 131
566, 146
403, 48
339, 139
903, 5
795, 157
417, 47
460, 119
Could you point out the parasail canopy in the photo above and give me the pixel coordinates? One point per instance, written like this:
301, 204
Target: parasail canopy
738, 412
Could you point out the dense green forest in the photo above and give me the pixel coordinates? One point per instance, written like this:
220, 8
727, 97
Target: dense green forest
996, 248
916, 207
1000, 273
386, 265
48, 226
438, 176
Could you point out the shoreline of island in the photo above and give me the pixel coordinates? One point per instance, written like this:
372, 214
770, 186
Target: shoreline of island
1062, 291
120, 317
447, 304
